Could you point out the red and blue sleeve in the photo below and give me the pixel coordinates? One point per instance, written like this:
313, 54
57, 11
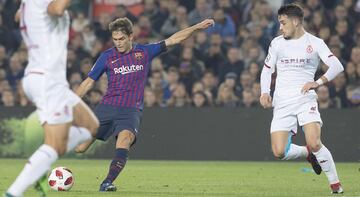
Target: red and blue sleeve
99, 68
155, 49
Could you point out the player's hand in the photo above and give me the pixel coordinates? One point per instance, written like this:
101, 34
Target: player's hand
309, 86
265, 100
205, 24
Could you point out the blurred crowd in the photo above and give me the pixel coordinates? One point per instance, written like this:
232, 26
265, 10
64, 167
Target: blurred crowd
217, 67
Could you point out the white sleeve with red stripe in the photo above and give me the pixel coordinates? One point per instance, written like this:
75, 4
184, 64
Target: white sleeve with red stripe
268, 69
335, 66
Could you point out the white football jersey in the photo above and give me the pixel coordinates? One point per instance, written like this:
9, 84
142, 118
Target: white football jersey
46, 38
296, 61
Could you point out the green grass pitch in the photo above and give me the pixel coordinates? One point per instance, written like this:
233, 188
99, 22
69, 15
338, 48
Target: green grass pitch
196, 178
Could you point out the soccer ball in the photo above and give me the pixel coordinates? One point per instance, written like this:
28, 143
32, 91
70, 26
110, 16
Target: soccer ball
61, 179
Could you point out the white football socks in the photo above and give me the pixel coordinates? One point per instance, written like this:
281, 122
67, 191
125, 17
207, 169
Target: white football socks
77, 135
327, 164
38, 164
295, 151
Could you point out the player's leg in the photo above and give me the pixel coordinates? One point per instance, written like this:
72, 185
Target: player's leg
55, 134
40, 162
105, 115
84, 128
124, 140
81, 126
125, 126
279, 141
309, 118
323, 155
283, 122
284, 149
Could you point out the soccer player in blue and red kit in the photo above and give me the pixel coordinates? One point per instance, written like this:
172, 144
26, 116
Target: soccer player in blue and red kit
127, 66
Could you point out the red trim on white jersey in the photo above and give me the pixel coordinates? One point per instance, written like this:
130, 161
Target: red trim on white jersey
267, 66
34, 72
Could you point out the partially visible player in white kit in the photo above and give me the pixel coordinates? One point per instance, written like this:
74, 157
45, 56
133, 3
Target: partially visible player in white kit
296, 55
66, 120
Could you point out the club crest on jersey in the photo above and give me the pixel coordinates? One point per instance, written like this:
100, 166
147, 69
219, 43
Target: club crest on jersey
309, 49
138, 55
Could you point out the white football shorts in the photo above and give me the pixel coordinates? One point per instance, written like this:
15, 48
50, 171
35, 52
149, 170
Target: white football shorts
54, 100
286, 118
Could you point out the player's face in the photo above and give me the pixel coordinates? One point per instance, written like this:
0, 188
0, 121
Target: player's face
287, 26
122, 41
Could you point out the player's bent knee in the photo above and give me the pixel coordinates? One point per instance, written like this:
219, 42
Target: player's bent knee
125, 139
125, 142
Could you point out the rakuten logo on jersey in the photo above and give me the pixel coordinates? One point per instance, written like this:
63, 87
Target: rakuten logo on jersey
128, 69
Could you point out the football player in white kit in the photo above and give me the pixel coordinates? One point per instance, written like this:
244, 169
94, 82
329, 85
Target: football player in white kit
66, 120
296, 54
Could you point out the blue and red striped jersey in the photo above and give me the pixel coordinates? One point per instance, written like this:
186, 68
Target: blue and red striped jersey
126, 73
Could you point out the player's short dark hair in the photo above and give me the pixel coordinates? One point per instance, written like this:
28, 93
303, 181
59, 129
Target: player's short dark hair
291, 10
121, 24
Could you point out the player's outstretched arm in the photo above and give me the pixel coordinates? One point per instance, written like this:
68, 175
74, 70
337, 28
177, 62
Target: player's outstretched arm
58, 7
181, 35
85, 86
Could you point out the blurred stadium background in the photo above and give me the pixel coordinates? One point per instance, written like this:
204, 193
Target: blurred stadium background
202, 96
